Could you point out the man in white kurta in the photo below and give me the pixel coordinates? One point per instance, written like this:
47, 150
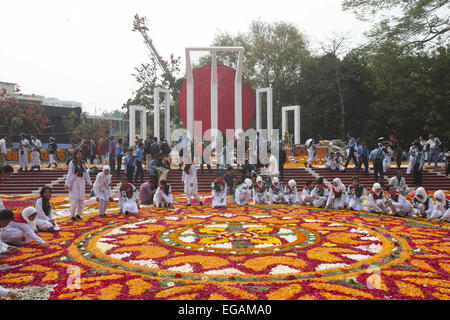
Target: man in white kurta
189, 178
102, 189
412, 152
306, 197
337, 197
356, 194
441, 210
320, 193
259, 191
423, 203
387, 158
398, 204
35, 155
163, 195
273, 166
219, 192
290, 194
399, 183
376, 200
243, 193
77, 177
24, 145
276, 191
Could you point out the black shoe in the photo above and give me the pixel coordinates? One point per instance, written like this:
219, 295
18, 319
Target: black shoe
78, 217
127, 212
188, 205
201, 203
73, 219
48, 166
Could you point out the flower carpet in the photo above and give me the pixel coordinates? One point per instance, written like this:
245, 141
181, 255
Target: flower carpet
252, 252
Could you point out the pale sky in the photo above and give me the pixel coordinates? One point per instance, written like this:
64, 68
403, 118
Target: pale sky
86, 51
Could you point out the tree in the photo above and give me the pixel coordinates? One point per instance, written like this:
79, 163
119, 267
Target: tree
149, 77
69, 121
422, 23
95, 130
115, 114
15, 116
274, 55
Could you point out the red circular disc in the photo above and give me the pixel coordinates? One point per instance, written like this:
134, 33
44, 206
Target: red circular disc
202, 98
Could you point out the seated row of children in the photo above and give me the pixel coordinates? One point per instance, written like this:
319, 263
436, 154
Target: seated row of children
395, 203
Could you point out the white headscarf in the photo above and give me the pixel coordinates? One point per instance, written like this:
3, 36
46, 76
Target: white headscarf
106, 178
422, 193
340, 186
440, 196
26, 214
248, 182
275, 181
377, 186
292, 184
259, 181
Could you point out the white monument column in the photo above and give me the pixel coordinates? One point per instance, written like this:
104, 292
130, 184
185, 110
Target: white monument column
156, 95
214, 93
268, 92
238, 94
284, 122
132, 120
189, 94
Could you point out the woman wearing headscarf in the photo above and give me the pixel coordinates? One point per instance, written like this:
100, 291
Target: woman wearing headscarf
376, 199
275, 191
102, 189
77, 176
243, 193
441, 210
338, 196
259, 191
290, 195
423, 203
306, 197
21, 230
397, 202
45, 220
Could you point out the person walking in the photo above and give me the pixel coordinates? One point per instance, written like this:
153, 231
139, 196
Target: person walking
52, 148
352, 148
2, 150
377, 156
419, 160
434, 144
363, 157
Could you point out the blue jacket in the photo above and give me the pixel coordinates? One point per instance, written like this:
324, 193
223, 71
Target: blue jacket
351, 144
153, 171
376, 152
139, 154
363, 152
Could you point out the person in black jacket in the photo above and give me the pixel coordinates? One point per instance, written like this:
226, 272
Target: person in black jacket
52, 147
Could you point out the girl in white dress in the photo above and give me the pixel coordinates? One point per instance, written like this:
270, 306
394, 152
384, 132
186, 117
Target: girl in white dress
290, 195
320, 193
441, 210
45, 220
128, 198
163, 195
77, 177
275, 191
356, 194
22, 229
376, 200
259, 191
102, 189
189, 177
423, 203
219, 192
337, 197
243, 193
306, 197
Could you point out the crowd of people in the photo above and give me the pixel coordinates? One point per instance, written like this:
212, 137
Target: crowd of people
383, 155
257, 184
